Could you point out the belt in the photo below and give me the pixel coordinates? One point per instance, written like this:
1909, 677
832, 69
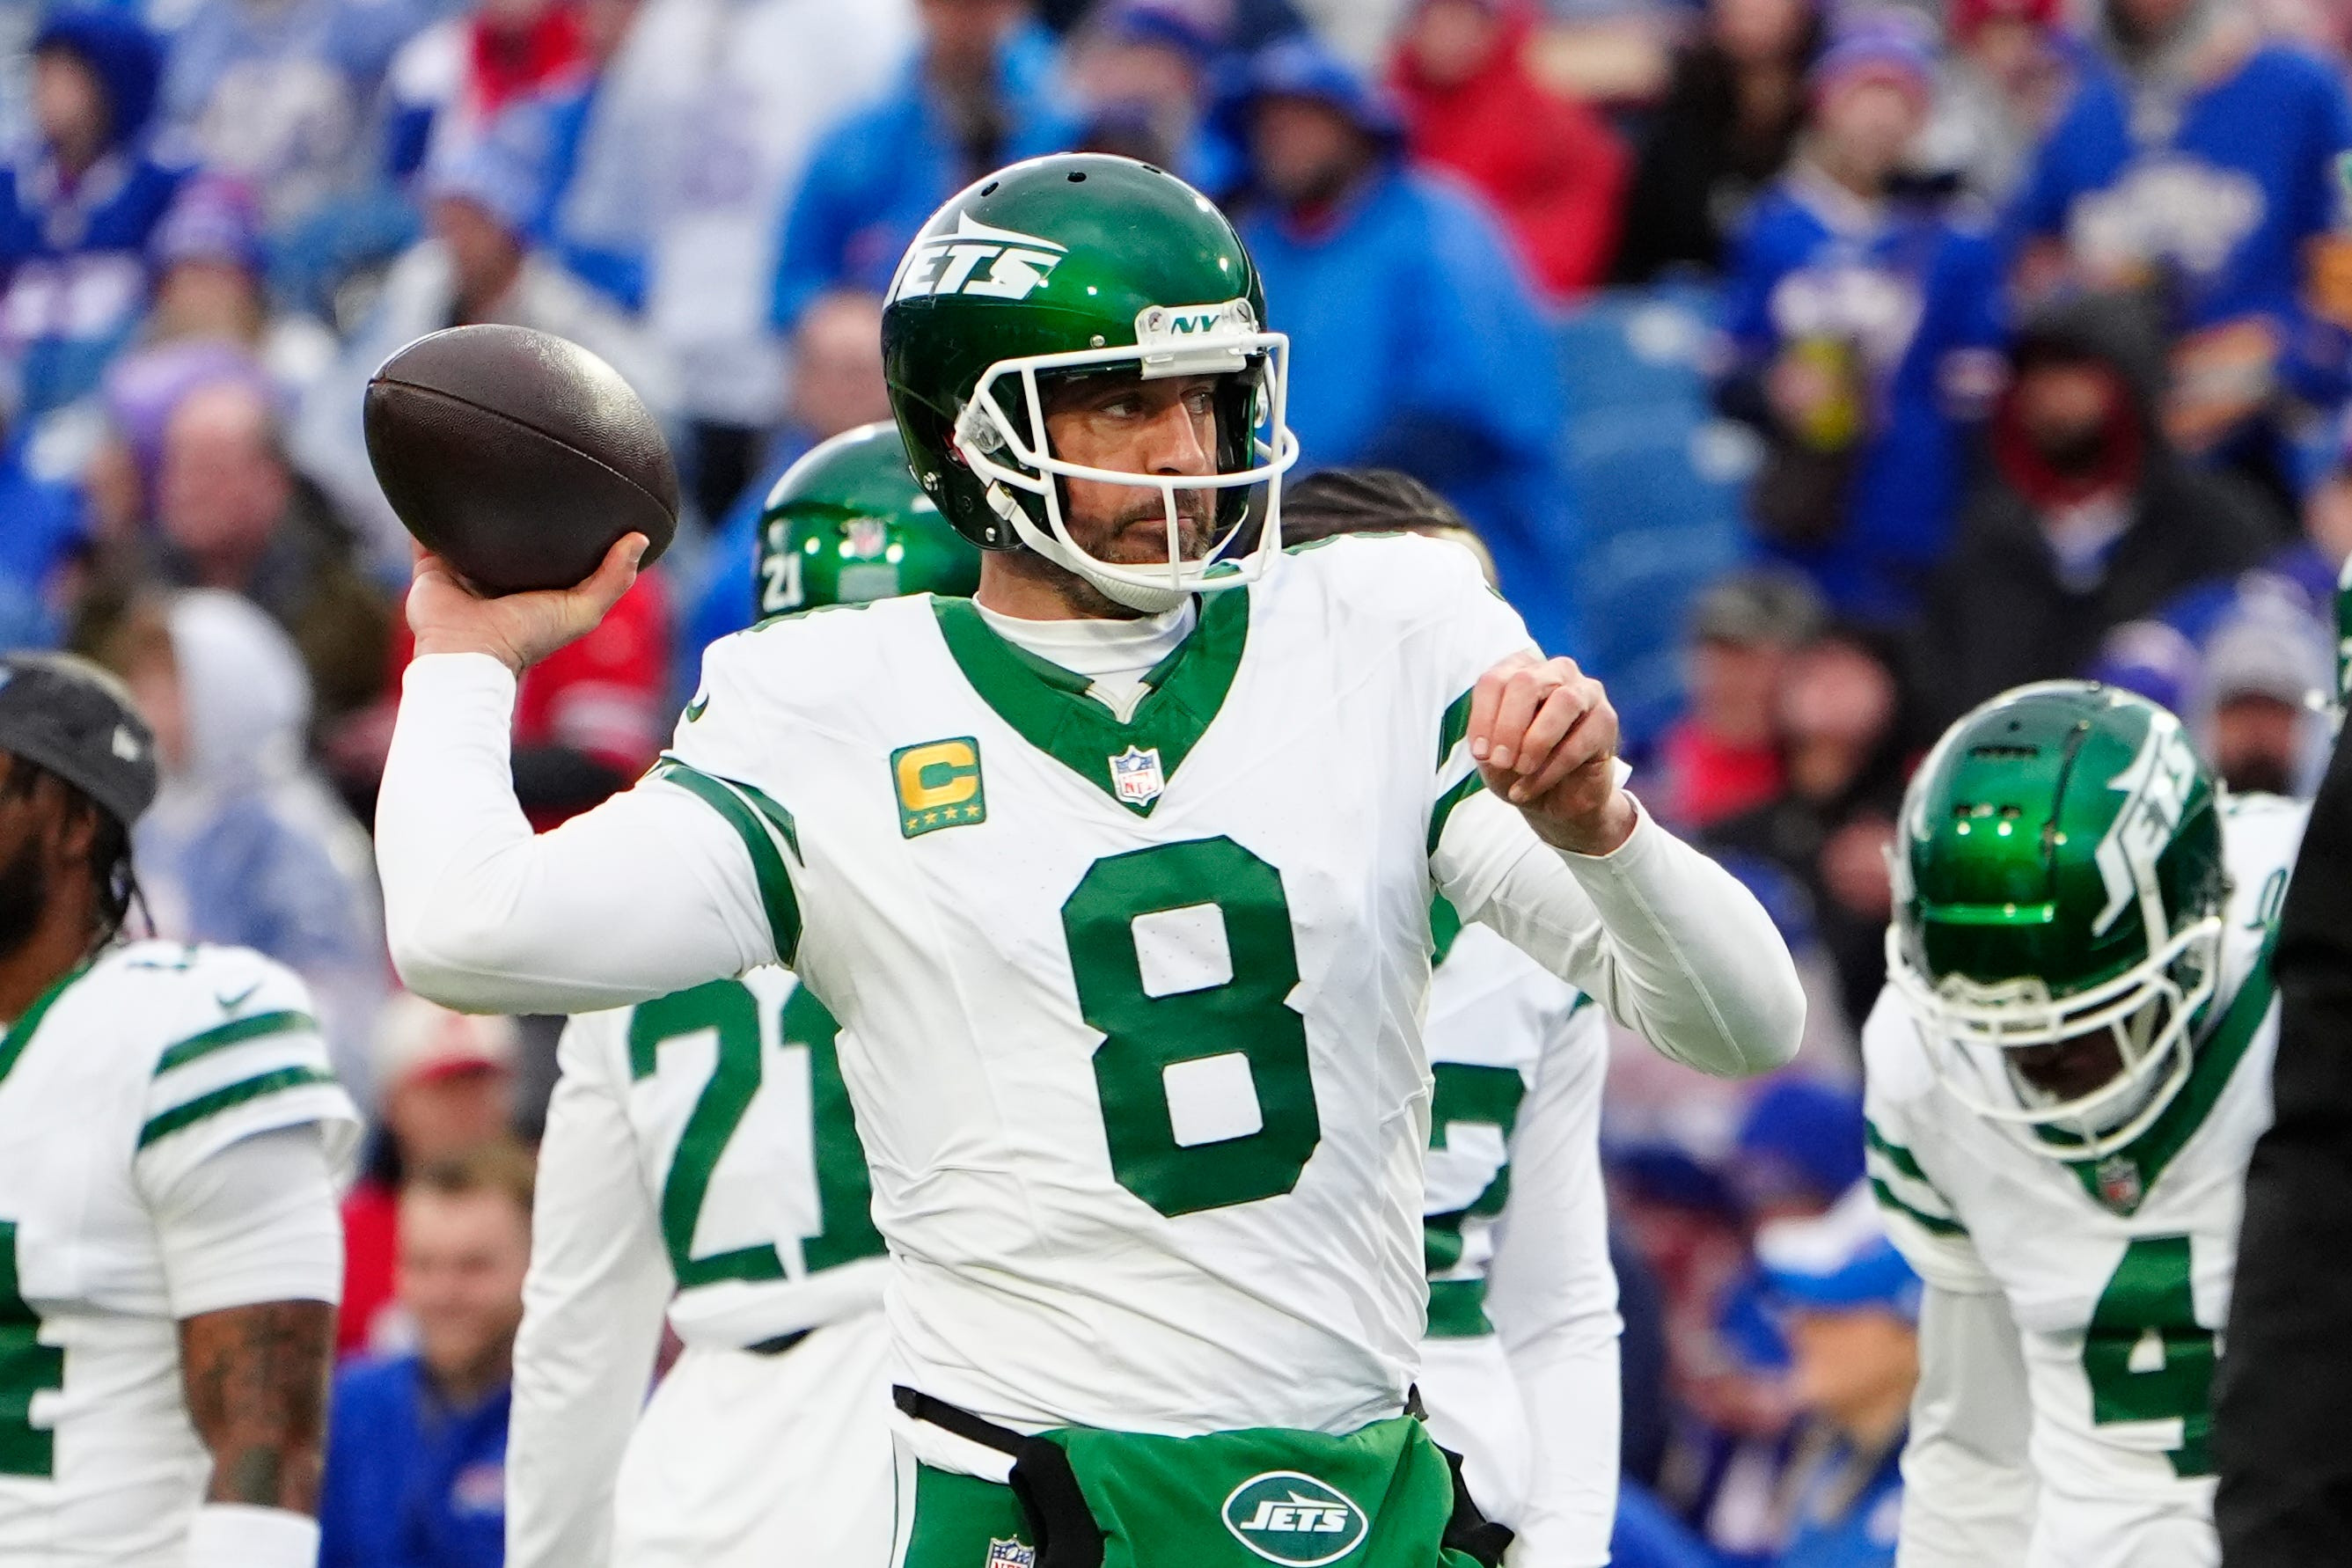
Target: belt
954, 1418
778, 1346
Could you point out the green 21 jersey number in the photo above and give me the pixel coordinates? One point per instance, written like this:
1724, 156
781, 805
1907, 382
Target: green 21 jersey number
2146, 1355
844, 1197
1147, 1036
27, 1367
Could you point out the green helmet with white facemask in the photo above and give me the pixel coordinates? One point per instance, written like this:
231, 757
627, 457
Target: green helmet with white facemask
1084, 265
2058, 875
848, 523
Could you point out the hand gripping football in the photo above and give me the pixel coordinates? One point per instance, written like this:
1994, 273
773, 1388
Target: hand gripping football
517, 456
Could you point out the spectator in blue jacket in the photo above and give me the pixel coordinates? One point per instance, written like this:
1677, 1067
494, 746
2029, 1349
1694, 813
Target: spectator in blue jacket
2201, 162
1143, 69
1865, 330
415, 1471
984, 90
1417, 343
76, 214
1850, 1308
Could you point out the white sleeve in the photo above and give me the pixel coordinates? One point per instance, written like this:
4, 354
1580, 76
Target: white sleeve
1663, 937
593, 1307
1552, 1297
650, 892
252, 1222
1968, 1488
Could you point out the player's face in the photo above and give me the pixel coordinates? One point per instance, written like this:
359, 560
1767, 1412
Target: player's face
462, 1259
2069, 1069
40, 840
1130, 425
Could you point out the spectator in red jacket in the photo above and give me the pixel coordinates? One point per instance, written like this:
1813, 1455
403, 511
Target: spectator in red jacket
588, 719
1550, 165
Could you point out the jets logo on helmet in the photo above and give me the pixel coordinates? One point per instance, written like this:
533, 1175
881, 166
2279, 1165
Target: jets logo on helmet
2157, 788
1083, 266
2037, 828
994, 263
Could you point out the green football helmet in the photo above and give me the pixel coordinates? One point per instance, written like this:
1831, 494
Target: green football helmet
848, 523
2058, 873
1084, 265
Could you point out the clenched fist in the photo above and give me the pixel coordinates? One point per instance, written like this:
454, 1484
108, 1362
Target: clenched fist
1545, 739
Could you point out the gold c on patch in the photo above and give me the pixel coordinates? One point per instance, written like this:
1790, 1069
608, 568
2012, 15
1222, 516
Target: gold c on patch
939, 785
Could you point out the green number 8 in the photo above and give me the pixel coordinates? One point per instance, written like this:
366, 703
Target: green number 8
1248, 1015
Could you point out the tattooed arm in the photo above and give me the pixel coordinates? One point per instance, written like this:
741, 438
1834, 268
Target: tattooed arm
257, 1386
252, 1246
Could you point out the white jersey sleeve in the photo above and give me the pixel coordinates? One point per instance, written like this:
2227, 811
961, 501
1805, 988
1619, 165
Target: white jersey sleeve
258, 1221
646, 894
1666, 940
1968, 1488
1552, 1297
256, 1063
593, 1308
1923, 1223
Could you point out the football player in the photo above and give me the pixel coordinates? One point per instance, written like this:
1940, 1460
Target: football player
170, 1139
700, 1158
1520, 1367
2067, 1072
1117, 877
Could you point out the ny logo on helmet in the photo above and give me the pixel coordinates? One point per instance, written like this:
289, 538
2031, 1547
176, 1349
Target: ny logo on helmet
1017, 265
2158, 784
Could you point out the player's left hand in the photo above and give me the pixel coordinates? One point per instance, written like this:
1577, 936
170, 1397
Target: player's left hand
1545, 739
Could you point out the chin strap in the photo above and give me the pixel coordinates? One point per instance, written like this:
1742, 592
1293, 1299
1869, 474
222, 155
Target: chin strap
1071, 559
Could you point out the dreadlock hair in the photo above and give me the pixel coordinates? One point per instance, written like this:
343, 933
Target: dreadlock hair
111, 874
1363, 501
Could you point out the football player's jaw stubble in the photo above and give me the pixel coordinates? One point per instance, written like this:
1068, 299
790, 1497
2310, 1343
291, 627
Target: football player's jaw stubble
1123, 425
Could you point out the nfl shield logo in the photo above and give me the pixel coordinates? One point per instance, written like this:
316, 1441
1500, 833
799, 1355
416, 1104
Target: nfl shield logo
1002, 1553
864, 538
2119, 1185
1136, 776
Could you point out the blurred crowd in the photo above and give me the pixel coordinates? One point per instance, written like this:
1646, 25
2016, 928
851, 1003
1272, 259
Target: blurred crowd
2032, 338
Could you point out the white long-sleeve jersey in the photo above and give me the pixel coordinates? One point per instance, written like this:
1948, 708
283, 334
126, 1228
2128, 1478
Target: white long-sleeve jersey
1130, 1004
2091, 1294
699, 1162
1520, 1368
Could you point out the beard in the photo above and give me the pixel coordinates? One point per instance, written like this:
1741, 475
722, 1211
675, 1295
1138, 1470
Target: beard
1139, 535
2258, 773
24, 895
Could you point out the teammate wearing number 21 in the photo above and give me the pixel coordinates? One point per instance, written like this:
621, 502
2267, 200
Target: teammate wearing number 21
1117, 877
699, 1160
2067, 1073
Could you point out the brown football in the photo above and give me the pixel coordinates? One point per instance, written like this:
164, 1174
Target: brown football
518, 455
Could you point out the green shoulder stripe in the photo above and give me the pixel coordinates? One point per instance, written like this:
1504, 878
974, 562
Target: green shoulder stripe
1454, 726
228, 1098
235, 1032
1443, 810
751, 815
1934, 1225
1901, 1158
